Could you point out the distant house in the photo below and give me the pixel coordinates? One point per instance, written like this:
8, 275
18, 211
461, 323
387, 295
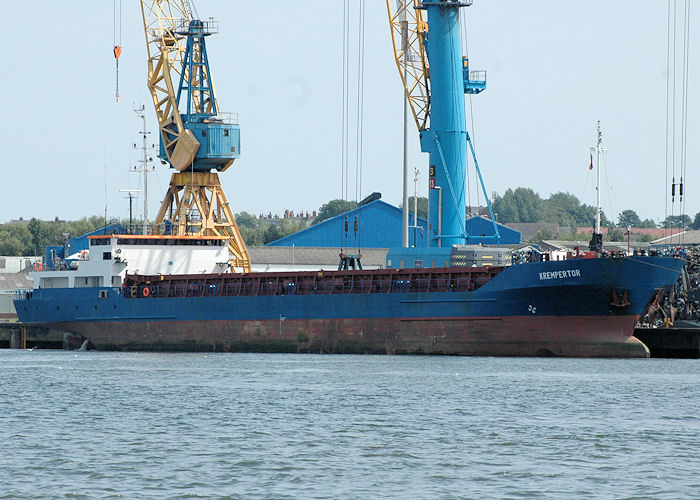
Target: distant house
474, 211
529, 229
589, 230
653, 231
10, 283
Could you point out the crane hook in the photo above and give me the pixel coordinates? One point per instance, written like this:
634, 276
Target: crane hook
117, 53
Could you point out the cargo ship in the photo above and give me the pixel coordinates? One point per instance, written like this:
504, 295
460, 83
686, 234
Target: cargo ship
171, 291
164, 293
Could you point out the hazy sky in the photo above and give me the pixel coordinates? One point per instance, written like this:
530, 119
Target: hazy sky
554, 68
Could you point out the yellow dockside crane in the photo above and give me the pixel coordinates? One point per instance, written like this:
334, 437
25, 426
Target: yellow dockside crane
196, 139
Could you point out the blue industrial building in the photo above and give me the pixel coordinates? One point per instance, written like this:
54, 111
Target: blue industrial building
479, 228
379, 226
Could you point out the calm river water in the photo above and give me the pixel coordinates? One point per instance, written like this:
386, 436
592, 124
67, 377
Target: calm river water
136, 425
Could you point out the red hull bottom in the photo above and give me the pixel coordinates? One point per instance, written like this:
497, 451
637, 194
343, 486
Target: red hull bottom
571, 336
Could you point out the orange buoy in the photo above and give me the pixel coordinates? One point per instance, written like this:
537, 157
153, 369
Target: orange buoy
146, 292
117, 51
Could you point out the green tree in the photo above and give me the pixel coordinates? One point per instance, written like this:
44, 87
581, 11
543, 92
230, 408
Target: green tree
604, 222
566, 210
333, 208
647, 223
252, 237
422, 206
506, 209
82, 226
616, 235
272, 233
628, 218
10, 244
519, 205
290, 227
38, 233
681, 221
646, 237
31, 238
696, 221
22, 239
244, 219
258, 232
541, 235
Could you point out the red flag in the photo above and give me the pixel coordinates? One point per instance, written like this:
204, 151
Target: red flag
591, 165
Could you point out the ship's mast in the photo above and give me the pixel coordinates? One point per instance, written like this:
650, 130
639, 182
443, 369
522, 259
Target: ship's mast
597, 186
596, 244
141, 112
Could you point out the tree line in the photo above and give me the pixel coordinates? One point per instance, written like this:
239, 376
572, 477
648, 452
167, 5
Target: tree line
258, 231
525, 205
33, 236
515, 205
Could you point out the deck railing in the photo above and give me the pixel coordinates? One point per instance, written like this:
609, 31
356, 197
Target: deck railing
232, 285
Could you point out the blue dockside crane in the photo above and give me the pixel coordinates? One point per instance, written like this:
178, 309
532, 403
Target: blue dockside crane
436, 76
219, 138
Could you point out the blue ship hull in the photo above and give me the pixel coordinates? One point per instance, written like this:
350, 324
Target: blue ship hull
584, 307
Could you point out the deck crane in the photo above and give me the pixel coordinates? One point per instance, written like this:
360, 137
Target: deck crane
195, 138
435, 75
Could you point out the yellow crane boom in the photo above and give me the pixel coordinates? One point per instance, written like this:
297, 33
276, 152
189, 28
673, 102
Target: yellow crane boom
162, 19
407, 34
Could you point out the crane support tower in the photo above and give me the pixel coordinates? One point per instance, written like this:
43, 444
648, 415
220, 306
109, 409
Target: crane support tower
196, 139
436, 76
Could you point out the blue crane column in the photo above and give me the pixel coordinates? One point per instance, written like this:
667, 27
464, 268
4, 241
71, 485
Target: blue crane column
446, 139
219, 139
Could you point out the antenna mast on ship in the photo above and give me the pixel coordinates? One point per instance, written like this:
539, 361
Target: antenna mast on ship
596, 244
141, 112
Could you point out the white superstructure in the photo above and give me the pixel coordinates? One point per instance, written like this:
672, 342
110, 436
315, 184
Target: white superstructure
111, 257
